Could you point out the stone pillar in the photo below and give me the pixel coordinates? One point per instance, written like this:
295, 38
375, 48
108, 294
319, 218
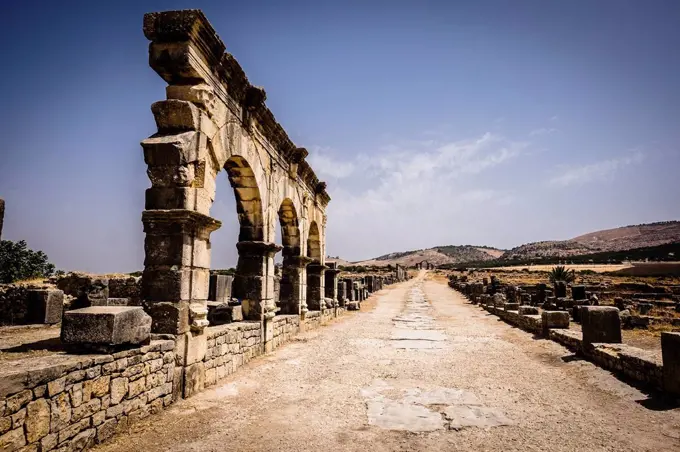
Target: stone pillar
254, 279
294, 284
670, 350
2, 215
331, 283
177, 269
342, 293
349, 289
600, 324
315, 287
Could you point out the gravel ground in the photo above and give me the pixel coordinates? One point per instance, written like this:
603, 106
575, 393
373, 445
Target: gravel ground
423, 370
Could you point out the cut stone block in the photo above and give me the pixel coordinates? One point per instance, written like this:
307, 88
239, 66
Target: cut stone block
220, 288
670, 349
45, 306
528, 310
600, 324
106, 327
221, 313
554, 319
578, 292
511, 306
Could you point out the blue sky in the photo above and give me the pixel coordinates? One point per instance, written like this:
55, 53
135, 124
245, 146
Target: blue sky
433, 122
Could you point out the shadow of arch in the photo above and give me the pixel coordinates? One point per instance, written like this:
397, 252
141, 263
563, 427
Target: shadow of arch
248, 200
291, 284
314, 243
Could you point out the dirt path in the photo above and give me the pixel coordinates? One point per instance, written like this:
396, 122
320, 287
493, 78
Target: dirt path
421, 371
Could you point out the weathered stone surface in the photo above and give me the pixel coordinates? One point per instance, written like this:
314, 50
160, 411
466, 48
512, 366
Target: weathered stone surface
600, 324
106, 326
12, 440
220, 288
221, 313
554, 319
37, 420
45, 306
528, 310
670, 350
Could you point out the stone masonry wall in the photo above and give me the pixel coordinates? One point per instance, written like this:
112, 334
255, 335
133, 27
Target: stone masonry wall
70, 402
231, 346
285, 328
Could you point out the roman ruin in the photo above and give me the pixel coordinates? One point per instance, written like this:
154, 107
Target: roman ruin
310, 353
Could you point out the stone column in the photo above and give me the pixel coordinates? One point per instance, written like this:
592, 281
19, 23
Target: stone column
331, 284
254, 279
177, 269
342, 293
2, 215
315, 287
293, 284
349, 289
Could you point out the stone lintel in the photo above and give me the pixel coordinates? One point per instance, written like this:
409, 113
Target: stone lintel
257, 248
185, 25
184, 217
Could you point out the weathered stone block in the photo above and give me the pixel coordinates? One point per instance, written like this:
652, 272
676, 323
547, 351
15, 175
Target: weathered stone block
220, 288
221, 313
37, 420
45, 306
109, 326
578, 292
528, 310
600, 324
511, 306
670, 349
194, 379
554, 319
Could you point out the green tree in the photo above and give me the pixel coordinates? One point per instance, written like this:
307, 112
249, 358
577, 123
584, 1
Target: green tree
18, 262
560, 273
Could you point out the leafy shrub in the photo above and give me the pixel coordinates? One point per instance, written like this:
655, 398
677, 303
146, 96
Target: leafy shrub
18, 262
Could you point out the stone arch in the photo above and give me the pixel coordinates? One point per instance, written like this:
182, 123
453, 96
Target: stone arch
314, 243
292, 285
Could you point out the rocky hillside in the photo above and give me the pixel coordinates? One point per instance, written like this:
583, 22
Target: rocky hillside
618, 239
449, 254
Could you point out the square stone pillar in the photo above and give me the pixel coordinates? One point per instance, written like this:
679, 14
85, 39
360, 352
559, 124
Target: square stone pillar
315, 287
294, 285
670, 349
342, 293
254, 279
331, 284
349, 289
177, 269
600, 324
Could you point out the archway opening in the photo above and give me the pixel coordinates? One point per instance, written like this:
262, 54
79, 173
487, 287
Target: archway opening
290, 288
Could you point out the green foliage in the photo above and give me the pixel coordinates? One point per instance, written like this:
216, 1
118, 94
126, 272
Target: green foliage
560, 273
227, 271
18, 262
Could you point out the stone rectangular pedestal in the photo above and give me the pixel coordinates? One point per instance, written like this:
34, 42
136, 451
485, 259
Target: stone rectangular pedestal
105, 327
670, 349
600, 324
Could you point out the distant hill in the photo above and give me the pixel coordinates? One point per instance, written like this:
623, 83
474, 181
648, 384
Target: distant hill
617, 239
609, 240
449, 254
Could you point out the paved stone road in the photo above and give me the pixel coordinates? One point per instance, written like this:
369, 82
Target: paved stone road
423, 370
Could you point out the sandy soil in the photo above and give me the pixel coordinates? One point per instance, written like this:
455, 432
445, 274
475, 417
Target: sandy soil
17, 342
422, 371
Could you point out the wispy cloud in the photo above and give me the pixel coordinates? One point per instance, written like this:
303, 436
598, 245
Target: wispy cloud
542, 131
422, 186
598, 171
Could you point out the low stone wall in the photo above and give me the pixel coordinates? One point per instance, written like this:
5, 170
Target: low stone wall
229, 347
285, 328
312, 320
70, 402
326, 316
633, 363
